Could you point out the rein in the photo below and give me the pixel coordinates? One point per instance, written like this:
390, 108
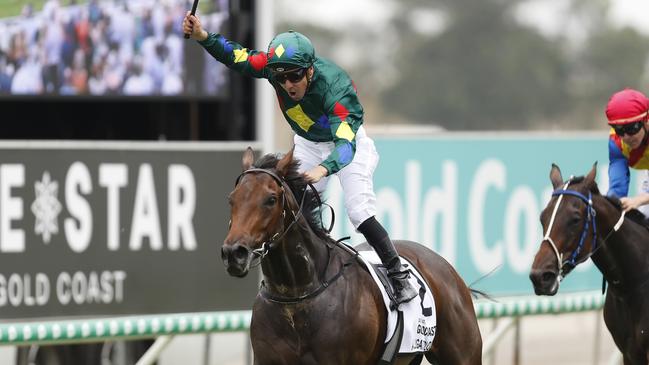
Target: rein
571, 262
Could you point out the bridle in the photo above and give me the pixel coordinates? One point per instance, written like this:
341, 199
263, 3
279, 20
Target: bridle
267, 245
565, 266
270, 243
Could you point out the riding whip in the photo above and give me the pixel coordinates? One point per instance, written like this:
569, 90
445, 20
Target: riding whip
194, 6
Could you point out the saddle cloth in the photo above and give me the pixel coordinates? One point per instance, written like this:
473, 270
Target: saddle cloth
420, 318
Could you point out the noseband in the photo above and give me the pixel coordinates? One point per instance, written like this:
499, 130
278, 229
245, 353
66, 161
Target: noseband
571, 261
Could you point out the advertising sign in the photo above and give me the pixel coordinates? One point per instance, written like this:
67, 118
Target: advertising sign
476, 200
106, 229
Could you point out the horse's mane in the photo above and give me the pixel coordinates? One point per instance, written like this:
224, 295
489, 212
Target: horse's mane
634, 215
299, 186
576, 180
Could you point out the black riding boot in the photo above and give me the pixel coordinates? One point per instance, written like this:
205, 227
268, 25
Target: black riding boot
378, 238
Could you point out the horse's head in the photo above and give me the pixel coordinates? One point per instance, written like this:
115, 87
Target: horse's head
258, 206
568, 232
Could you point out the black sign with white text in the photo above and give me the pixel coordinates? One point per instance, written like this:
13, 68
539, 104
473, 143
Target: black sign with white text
116, 230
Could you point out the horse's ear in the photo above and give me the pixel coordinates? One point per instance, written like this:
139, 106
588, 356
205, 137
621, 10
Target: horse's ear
555, 176
590, 178
285, 162
248, 158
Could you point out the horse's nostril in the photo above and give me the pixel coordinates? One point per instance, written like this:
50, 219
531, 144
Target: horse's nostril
548, 276
236, 252
240, 252
542, 278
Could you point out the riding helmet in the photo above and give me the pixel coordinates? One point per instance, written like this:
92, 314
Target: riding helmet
290, 50
626, 106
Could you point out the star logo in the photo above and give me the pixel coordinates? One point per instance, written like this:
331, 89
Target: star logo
46, 207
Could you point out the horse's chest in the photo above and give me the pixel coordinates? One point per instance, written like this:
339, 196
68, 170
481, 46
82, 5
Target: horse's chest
301, 331
298, 334
297, 319
292, 322
308, 323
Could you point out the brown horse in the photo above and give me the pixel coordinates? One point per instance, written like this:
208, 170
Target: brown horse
317, 304
579, 223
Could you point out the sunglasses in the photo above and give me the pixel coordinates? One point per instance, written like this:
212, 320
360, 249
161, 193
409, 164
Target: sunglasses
293, 76
628, 129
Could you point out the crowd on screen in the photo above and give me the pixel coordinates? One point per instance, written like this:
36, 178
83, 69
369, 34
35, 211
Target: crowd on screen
115, 47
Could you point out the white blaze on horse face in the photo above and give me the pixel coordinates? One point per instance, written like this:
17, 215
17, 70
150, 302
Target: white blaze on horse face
548, 239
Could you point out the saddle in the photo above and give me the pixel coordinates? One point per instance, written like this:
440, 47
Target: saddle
412, 326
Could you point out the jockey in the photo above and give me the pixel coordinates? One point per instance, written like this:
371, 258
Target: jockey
627, 114
319, 102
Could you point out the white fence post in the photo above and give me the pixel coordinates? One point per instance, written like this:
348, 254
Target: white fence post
151, 355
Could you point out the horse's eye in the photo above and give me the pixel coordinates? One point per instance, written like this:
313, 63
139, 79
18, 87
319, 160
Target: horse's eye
271, 201
575, 220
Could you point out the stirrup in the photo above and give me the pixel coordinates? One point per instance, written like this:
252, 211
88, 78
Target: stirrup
403, 290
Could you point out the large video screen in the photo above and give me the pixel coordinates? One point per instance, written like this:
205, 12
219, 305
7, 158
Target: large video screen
116, 48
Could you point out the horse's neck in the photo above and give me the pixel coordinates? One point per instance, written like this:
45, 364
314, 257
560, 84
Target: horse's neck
295, 265
623, 257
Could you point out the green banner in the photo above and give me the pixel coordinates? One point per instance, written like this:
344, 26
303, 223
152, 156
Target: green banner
476, 200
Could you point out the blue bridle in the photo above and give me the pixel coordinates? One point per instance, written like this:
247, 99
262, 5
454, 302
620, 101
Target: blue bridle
571, 262
590, 219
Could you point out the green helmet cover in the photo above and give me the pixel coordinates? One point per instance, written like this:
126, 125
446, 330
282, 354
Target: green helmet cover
290, 49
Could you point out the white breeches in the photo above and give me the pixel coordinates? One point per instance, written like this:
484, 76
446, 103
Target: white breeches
355, 179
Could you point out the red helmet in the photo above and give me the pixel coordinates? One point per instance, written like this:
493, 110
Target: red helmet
627, 106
